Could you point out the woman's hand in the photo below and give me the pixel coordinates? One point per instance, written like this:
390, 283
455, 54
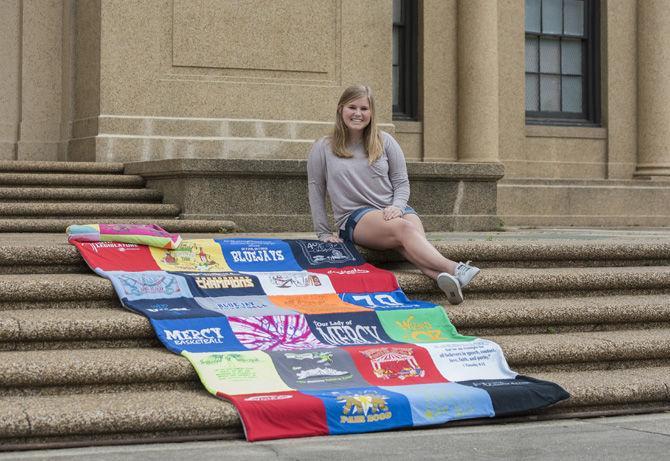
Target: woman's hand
392, 212
330, 238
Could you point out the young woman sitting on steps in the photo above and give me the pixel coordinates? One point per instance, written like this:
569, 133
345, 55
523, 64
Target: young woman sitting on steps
364, 173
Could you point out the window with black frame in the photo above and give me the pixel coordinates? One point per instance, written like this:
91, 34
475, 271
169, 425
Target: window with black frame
562, 54
405, 28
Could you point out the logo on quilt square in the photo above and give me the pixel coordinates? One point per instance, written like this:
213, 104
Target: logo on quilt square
384, 300
395, 364
200, 255
114, 256
420, 325
258, 255
317, 369
314, 254
234, 373
214, 284
364, 409
315, 304
360, 279
351, 329
274, 332
149, 285
208, 334
242, 306
295, 283
441, 402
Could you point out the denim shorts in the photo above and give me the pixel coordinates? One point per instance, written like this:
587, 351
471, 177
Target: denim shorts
348, 232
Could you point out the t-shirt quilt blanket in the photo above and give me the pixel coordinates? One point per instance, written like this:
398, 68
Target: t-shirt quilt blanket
305, 338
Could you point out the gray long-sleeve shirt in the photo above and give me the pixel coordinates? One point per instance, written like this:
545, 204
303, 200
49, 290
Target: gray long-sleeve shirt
352, 183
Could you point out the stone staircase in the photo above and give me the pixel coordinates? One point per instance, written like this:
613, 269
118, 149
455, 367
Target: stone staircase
49, 196
592, 314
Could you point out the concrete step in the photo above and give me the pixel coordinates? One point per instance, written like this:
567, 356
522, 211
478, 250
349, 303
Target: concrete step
37, 209
76, 324
124, 415
64, 179
558, 315
170, 224
145, 416
529, 354
61, 167
549, 282
50, 194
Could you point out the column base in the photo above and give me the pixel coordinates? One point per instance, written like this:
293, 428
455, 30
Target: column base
657, 172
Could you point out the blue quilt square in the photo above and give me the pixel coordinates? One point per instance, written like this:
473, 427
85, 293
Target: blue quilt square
258, 255
175, 308
364, 409
384, 300
315, 254
442, 402
206, 334
348, 329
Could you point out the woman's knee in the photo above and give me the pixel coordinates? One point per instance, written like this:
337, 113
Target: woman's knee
403, 230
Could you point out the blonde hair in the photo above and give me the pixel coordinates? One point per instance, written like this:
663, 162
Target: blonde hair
371, 136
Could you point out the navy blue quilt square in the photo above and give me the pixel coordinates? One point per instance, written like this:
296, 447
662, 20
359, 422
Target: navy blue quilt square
348, 329
215, 284
207, 334
173, 308
315, 254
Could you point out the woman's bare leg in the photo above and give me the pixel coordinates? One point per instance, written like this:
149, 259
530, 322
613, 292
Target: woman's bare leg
404, 235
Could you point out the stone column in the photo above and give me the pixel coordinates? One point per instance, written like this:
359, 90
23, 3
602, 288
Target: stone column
41, 80
653, 51
477, 81
10, 76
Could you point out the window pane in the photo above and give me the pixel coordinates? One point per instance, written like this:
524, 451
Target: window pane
550, 93
533, 16
550, 56
532, 102
551, 17
396, 85
571, 57
531, 55
396, 46
572, 94
397, 11
574, 17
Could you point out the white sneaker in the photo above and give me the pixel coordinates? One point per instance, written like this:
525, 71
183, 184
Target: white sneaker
451, 287
465, 273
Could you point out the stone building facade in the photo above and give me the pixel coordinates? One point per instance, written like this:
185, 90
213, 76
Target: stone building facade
131, 81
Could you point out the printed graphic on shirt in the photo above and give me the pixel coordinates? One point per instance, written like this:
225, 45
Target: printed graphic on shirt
395, 364
315, 254
215, 284
420, 325
294, 283
232, 373
317, 369
477, 359
352, 329
442, 402
176, 308
258, 255
364, 409
315, 304
384, 300
112, 256
149, 285
200, 255
272, 415
243, 306
360, 279
209, 334
277, 332
514, 396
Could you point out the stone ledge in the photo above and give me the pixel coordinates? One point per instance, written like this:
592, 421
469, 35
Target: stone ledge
271, 195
